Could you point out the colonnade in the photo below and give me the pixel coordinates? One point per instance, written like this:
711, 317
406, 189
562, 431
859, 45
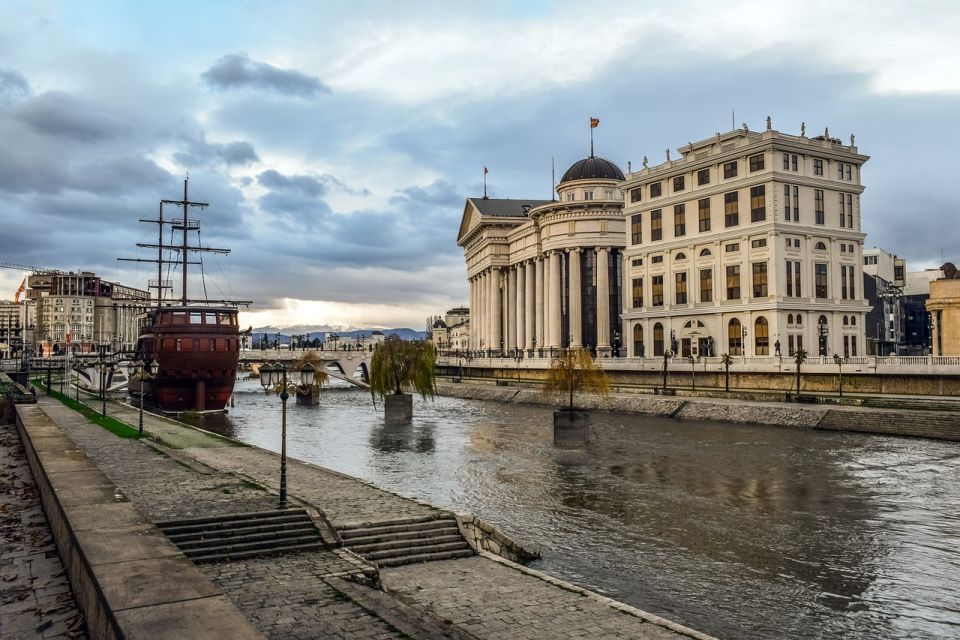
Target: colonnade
524, 305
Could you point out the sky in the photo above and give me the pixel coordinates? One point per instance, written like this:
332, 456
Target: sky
337, 142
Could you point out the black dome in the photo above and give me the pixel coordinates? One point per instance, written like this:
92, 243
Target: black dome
592, 168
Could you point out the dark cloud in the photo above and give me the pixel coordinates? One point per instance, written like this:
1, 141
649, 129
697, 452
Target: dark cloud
202, 153
13, 87
236, 70
60, 114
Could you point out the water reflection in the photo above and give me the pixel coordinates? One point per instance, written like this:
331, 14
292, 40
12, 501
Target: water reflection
741, 531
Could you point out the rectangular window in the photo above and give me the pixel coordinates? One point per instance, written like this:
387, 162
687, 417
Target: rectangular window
796, 279
850, 177
732, 247
731, 212
678, 183
733, 282
704, 214
840, 170
637, 293
656, 225
790, 345
853, 346
656, 189
817, 167
588, 195
637, 262
843, 282
636, 228
850, 210
846, 346
793, 162
758, 243
843, 211
818, 206
759, 279
756, 162
657, 291
681, 288
820, 280
796, 204
703, 177
730, 169
656, 259
786, 202
679, 220
635, 194
789, 278
786, 162
851, 273
706, 285
758, 203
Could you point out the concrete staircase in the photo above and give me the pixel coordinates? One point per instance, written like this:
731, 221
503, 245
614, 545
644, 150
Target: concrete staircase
398, 542
941, 425
912, 403
244, 535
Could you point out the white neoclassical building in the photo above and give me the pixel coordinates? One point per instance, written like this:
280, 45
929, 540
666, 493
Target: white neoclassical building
748, 242
547, 273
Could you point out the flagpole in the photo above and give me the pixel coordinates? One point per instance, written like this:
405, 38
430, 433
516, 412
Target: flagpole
591, 136
484, 183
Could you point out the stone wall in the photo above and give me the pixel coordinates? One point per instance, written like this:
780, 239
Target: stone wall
482, 536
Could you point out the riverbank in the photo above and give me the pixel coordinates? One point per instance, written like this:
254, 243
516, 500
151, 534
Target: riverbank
288, 596
936, 424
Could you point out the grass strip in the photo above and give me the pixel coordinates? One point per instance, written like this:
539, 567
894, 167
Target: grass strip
111, 424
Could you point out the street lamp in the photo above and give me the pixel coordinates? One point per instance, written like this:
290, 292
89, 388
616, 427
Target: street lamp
837, 360
823, 331
142, 371
102, 354
743, 344
273, 377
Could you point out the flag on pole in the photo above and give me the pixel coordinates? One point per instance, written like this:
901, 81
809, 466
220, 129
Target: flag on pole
485, 172
594, 122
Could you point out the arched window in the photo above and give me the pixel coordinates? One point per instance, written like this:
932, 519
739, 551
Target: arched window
761, 332
637, 341
658, 339
705, 252
820, 246
846, 321
789, 318
680, 256
799, 319
688, 324
822, 320
853, 321
735, 338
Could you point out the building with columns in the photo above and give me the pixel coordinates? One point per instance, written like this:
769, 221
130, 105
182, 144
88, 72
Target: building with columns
748, 242
546, 274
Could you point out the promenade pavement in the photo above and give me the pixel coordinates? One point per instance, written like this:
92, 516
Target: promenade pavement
303, 596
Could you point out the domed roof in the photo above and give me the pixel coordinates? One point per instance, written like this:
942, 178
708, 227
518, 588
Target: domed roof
592, 168
439, 324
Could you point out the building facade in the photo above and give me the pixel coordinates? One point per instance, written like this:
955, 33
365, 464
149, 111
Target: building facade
944, 308
546, 274
11, 329
884, 279
749, 244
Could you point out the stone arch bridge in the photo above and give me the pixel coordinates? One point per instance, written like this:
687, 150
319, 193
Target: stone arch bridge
352, 367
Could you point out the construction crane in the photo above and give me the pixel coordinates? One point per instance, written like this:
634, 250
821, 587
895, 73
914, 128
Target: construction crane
25, 267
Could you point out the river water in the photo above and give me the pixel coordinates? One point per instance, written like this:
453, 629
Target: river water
739, 531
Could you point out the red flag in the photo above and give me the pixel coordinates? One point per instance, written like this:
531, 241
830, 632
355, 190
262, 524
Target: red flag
485, 172
594, 123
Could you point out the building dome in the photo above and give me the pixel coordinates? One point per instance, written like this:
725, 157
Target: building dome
439, 324
592, 168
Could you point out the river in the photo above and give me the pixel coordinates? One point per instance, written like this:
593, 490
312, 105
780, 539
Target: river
739, 531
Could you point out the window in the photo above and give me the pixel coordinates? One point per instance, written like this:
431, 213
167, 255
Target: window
850, 210
658, 339
679, 220
761, 337
820, 246
656, 259
758, 199
608, 194
680, 256
799, 319
656, 189
853, 346
759, 279
656, 225
703, 177
636, 194
636, 228
637, 293
850, 177
637, 341
818, 205
840, 171
706, 285
758, 243
850, 274
789, 318
637, 262
732, 247
843, 283
820, 280
657, 291
735, 338
588, 195
843, 211
705, 252
853, 322
570, 197
704, 214
678, 183
731, 212
843, 248
756, 162
817, 167
793, 279
730, 169
786, 162
681, 287
733, 282
793, 162
791, 202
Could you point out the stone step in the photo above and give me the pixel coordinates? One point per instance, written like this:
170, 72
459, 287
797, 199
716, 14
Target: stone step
261, 545
231, 522
384, 528
254, 553
425, 557
399, 536
256, 515
439, 515
208, 534
365, 549
227, 540
376, 556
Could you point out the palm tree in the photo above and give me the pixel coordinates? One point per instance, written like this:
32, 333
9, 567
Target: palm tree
799, 357
399, 364
727, 360
575, 371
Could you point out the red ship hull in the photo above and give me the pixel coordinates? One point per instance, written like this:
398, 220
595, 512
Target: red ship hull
193, 354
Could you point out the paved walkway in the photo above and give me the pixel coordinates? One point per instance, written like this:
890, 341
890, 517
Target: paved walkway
297, 597
35, 597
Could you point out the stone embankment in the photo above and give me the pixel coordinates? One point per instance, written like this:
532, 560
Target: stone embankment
939, 423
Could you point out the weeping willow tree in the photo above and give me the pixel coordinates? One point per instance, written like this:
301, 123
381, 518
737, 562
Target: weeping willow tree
575, 371
310, 357
399, 364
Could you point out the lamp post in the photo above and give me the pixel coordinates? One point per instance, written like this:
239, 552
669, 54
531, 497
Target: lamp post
519, 357
837, 360
102, 354
823, 331
743, 344
274, 378
143, 374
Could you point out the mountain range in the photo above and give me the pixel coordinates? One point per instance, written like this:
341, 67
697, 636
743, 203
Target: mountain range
321, 333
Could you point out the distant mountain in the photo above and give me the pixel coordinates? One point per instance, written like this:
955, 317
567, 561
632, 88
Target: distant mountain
321, 333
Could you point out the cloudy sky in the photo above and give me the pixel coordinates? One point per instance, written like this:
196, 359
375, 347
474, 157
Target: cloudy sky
336, 142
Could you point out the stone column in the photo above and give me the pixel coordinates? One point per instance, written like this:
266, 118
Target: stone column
603, 301
521, 305
540, 332
484, 310
511, 281
496, 310
555, 315
576, 311
530, 298
473, 311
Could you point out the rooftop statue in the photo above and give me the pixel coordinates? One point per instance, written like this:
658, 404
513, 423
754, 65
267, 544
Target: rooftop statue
950, 271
